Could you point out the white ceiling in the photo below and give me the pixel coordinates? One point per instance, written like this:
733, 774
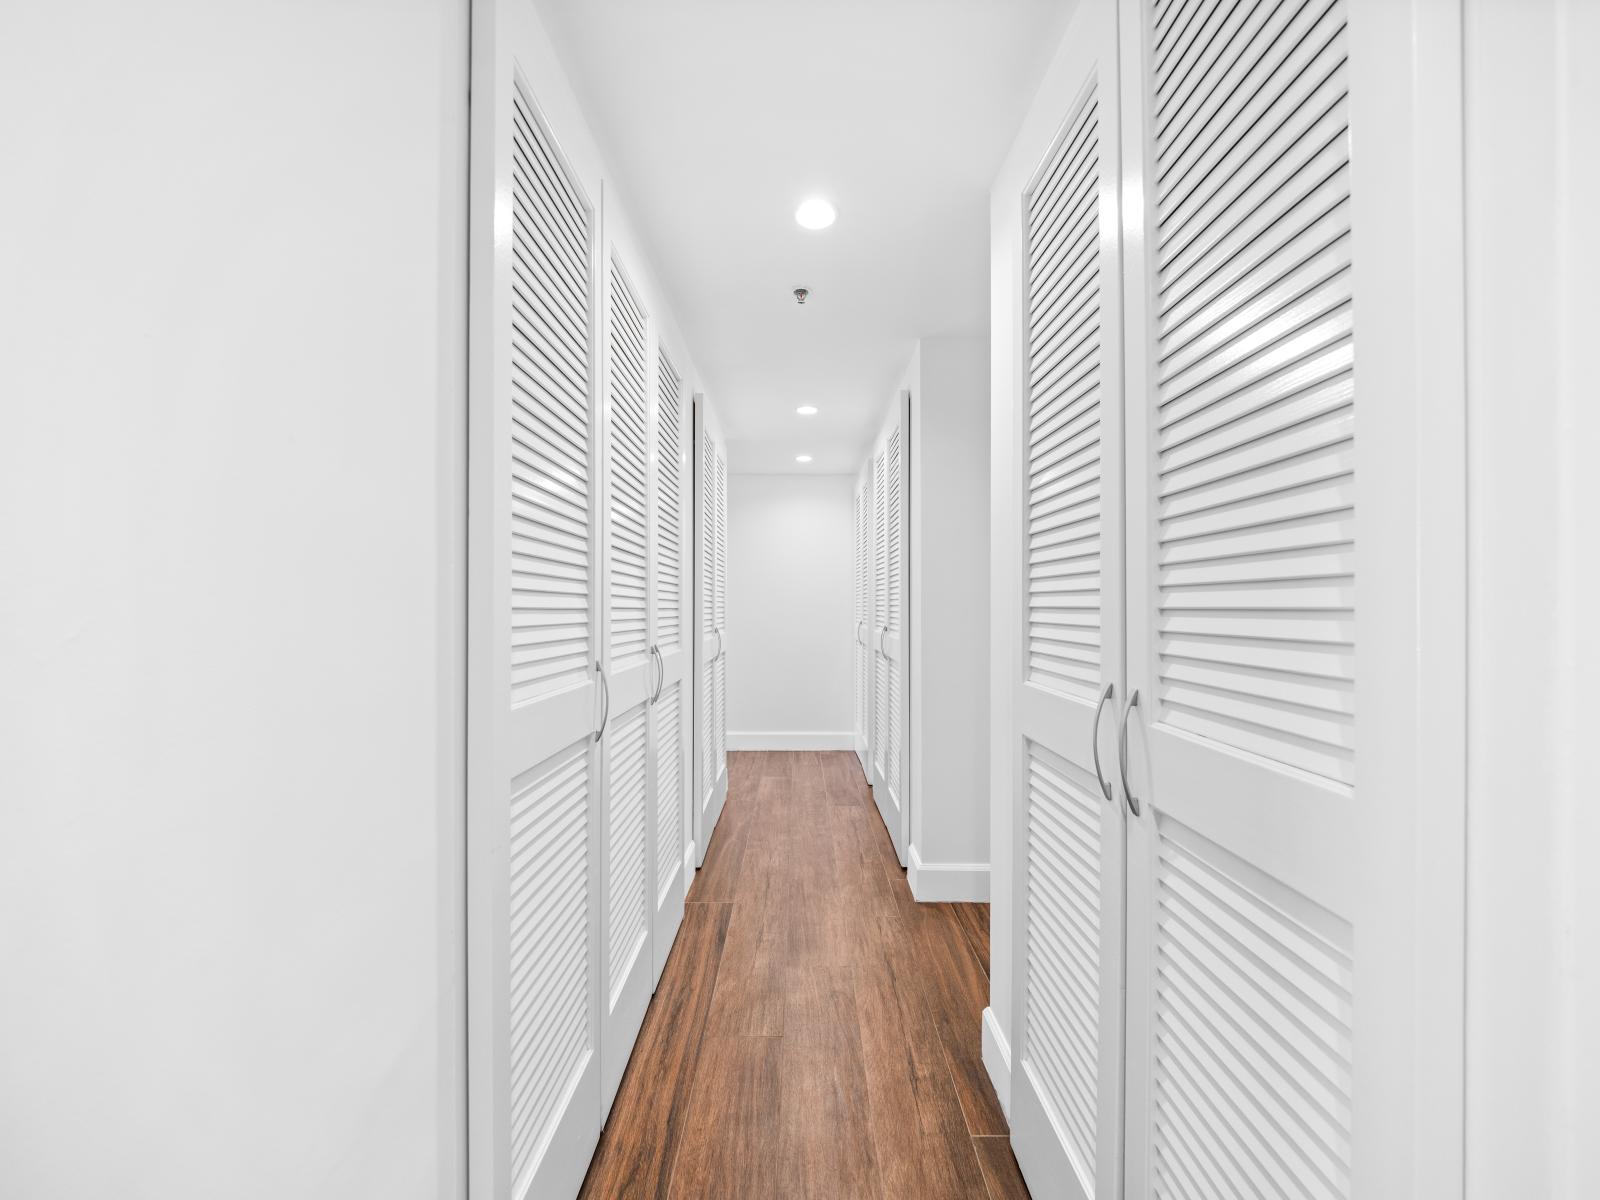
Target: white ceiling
720, 116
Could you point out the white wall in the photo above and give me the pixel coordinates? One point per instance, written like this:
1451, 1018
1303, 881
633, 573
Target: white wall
790, 623
1533, 895
949, 538
231, 481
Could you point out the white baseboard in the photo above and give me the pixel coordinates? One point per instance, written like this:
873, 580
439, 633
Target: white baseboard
791, 741
688, 864
997, 1060
946, 881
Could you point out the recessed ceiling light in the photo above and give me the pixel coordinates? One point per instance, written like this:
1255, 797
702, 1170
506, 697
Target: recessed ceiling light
807, 410
802, 458
815, 213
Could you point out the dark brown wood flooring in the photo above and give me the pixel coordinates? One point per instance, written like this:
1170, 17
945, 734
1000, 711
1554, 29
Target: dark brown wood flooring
816, 1032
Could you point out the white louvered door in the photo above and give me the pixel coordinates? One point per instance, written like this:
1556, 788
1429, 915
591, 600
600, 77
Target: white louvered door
890, 642
1067, 1099
711, 570
534, 641
861, 652
628, 824
1254, 889
672, 496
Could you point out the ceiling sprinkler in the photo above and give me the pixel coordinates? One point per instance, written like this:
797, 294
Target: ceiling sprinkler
800, 295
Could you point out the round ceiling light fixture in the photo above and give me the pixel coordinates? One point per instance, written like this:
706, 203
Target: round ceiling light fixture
802, 458
815, 213
807, 410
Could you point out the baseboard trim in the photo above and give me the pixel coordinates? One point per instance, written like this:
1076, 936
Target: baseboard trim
688, 865
791, 741
946, 882
997, 1060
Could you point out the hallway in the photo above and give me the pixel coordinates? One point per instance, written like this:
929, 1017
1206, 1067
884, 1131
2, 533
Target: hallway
816, 1032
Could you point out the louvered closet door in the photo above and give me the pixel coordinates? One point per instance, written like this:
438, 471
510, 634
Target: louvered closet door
880, 607
861, 653
1245, 868
670, 714
710, 758
534, 864
1067, 1101
628, 828
719, 711
892, 643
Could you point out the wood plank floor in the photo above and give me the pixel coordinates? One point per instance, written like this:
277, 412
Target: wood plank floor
816, 1032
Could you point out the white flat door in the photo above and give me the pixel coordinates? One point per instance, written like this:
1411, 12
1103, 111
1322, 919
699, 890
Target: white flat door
628, 827
1067, 1096
534, 641
861, 652
1277, 873
891, 644
671, 714
710, 509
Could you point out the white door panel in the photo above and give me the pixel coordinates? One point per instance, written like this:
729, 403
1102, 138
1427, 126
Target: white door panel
672, 498
1272, 882
861, 651
1067, 1119
892, 645
711, 639
535, 643
627, 832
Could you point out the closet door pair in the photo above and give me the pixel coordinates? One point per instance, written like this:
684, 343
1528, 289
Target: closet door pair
888, 642
1221, 919
644, 730
861, 650
711, 591
577, 645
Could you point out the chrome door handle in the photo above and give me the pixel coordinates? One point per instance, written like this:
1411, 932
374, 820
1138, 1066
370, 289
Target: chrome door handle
718, 654
661, 673
1094, 742
605, 713
1122, 753
882, 633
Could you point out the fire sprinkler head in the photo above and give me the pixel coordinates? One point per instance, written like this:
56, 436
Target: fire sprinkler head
800, 295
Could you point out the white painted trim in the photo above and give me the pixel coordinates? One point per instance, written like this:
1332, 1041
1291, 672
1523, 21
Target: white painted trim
997, 1059
843, 740
688, 865
940, 881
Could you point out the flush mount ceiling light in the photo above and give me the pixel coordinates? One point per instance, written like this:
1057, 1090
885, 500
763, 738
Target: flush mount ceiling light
807, 410
815, 213
802, 458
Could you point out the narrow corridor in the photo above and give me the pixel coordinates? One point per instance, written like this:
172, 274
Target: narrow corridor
816, 1032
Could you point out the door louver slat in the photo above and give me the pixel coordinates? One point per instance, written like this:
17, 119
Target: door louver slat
669, 510
1255, 383
628, 463
667, 716
549, 944
1063, 948
1063, 515
625, 812
550, 480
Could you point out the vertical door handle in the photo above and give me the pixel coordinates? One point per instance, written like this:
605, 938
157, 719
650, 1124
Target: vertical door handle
882, 633
1122, 752
1094, 741
661, 673
605, 713
718, 654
